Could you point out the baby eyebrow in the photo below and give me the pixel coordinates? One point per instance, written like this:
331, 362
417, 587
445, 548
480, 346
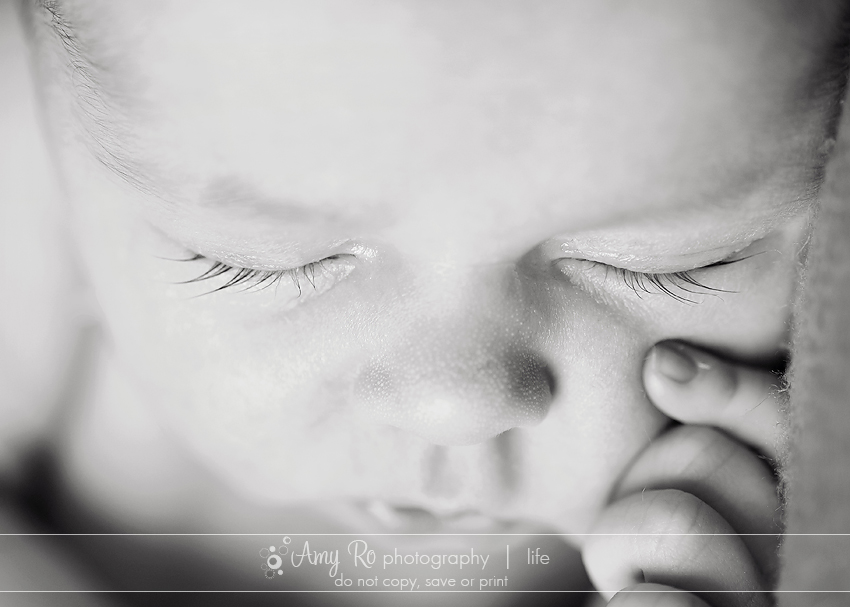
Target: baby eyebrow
102, 119
109, 139
234, 195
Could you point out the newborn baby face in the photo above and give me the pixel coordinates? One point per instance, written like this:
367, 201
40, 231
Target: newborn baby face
414, 252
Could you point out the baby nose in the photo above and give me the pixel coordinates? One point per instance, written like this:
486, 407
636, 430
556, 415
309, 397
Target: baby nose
456, 390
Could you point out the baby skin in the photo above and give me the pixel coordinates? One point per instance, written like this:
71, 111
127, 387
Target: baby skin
410, 256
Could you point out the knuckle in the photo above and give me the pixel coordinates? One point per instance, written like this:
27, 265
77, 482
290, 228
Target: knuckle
699, 452
684, 513
671, 511
679, 522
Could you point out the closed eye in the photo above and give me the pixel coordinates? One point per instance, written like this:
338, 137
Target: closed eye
678, 285
681, 286
251, 279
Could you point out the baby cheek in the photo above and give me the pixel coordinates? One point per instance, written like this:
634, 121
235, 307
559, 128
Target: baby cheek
207, 355
751, 321
600, 419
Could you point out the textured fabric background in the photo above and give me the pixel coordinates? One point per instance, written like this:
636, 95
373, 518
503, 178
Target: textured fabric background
819, 466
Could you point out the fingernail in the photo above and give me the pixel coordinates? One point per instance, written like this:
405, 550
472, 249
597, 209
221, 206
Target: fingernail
675, 363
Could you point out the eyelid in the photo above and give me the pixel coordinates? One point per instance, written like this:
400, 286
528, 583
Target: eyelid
679, 285
259, 252
254, 279
680, 243
658, 265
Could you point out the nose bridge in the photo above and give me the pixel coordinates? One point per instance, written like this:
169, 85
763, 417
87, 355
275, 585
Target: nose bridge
463, 370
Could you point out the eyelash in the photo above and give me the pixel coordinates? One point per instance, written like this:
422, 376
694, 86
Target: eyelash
639, 282
677, 285
257, 280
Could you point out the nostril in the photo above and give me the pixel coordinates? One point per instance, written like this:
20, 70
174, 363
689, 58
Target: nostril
529, 377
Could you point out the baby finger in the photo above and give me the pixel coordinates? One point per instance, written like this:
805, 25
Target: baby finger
655, 595
671, 537
694, 387
723, 473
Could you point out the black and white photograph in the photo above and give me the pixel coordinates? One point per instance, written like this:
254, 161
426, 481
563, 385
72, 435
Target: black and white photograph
424, 302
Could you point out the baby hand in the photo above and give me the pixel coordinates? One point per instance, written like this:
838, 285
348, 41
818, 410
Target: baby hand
689, 499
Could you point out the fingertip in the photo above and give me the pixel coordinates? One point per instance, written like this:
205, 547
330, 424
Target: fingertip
668, 374
654, 595
688, 384
673, 362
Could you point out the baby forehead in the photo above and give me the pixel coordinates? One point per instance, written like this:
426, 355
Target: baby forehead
507, 58
512, 100
477, 29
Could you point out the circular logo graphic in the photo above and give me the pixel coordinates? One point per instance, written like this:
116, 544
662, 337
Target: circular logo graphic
273, 557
